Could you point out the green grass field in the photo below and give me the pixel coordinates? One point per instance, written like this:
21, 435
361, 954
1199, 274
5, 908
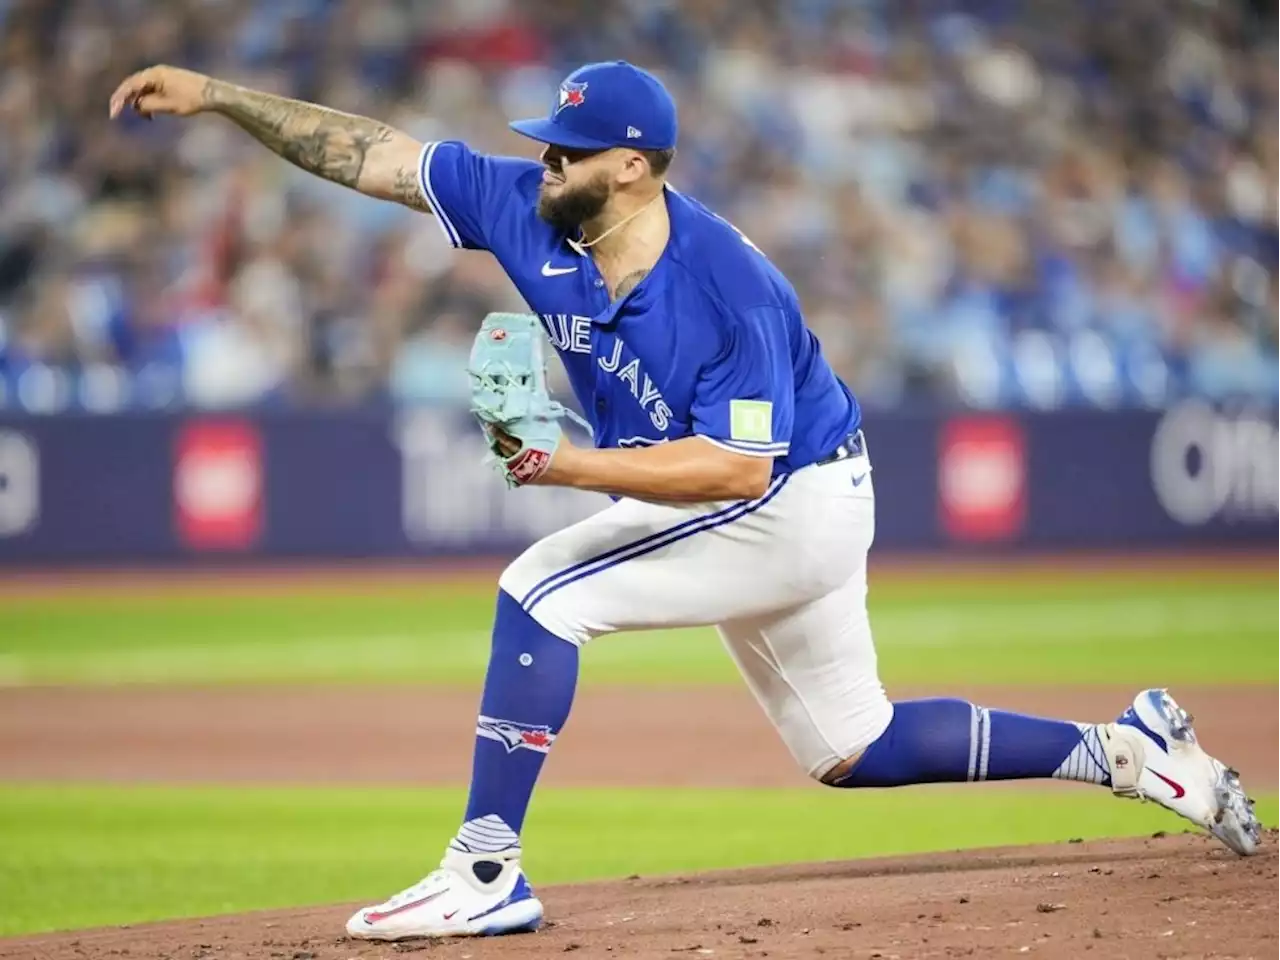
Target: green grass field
1056, 628
149, 852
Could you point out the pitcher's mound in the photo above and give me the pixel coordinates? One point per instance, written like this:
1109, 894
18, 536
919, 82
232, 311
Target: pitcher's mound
1165, 896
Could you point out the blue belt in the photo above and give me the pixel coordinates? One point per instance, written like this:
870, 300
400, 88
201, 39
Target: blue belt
854, 445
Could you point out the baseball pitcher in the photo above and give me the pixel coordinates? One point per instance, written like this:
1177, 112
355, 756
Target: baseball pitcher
741, 478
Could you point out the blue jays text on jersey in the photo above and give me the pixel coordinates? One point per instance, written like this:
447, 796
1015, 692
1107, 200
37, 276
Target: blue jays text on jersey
711, 343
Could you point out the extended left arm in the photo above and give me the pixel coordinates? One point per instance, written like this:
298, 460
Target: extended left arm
689, 470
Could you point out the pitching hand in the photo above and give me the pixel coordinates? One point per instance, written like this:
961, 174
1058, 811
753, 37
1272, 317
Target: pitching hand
161, 90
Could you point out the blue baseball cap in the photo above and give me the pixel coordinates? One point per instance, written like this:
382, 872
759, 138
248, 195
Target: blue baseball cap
603, 105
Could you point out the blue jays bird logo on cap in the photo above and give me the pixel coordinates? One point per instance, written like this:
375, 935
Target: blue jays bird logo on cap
572, 94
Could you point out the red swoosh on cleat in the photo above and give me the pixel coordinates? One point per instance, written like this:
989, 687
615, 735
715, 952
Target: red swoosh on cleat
373, 916
450, 916
1177, 787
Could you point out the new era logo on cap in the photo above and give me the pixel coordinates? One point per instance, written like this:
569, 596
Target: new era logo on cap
633, 133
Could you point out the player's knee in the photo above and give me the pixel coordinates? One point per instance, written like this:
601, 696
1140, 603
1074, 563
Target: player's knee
518, 577
535, 587
860, 736
832, 776
539, 567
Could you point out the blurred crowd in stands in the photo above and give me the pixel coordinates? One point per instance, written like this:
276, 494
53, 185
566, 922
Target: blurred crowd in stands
990, 203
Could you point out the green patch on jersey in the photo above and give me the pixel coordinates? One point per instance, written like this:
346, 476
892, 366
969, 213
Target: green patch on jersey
751, 420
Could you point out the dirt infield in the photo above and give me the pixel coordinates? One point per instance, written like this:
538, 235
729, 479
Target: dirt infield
406, 735
1177, 896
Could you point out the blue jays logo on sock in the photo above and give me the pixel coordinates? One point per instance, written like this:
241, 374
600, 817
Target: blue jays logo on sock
516, 736
572, 94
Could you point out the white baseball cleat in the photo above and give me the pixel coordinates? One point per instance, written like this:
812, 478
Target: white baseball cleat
1154, 755
471, 895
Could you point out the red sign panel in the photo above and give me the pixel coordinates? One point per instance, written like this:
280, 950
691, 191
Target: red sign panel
217, 485
982, 479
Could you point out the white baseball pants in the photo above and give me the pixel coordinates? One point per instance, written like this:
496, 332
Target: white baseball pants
783, 578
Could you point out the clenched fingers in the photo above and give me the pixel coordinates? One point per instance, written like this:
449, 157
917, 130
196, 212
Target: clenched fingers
131, 92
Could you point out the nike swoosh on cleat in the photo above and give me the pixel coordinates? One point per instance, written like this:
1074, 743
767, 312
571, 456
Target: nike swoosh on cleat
374, 917
549, 271
450, 916
1177, 787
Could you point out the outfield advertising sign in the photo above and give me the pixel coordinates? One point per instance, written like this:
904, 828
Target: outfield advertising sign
1212, 466
982, 479
19, 484
217, 485
446, 501
414, 483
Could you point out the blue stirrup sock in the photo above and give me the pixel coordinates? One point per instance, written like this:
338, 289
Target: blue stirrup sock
528, 691
941, 740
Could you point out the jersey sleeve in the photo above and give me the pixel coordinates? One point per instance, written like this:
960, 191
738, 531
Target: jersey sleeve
745, 400
467, 190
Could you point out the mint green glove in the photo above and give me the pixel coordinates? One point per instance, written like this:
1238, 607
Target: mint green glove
508, 373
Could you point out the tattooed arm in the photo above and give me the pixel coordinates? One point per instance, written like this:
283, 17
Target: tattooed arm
357, 152
354, 151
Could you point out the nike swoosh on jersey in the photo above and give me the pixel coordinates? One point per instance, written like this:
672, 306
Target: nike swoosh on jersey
857, 481
549, 271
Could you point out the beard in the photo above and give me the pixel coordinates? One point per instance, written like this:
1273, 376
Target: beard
573, 206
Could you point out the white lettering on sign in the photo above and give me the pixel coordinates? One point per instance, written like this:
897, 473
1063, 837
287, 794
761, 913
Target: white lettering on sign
451, 497
19, 484
1208, 465
211, 485
981, 477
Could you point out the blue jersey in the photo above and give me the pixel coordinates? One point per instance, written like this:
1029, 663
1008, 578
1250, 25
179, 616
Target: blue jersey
711, 343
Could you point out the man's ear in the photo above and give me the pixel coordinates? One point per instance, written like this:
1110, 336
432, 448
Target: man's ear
634, 168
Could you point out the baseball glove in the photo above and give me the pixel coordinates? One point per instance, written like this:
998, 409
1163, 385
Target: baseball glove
509, 396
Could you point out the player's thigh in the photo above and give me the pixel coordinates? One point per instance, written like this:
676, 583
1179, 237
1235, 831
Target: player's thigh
814, 672
608, 572
640, 565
